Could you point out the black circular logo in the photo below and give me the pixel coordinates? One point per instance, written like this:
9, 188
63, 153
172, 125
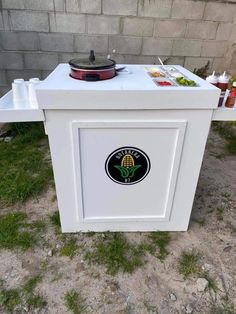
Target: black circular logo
127, 165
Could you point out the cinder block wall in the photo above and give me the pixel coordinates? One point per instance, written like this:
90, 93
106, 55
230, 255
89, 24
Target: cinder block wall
36, 35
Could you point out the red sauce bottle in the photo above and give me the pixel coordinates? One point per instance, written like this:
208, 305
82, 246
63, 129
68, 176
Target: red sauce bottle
223, 81
232, 97
213, 79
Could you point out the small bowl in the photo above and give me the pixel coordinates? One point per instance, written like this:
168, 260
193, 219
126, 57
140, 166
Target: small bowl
163, 82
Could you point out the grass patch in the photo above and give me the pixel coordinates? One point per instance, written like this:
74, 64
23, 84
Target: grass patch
226, 131
55, 220
31, 283
24, 172
11, 234
74, 302
16, 233
188, 264
160, 240
200, 221
90, 234
36, 301
9, 299
220, 213
212, 285
69, 249
150, 308
37, 225
115, 253
54, 198
231, 146
222, 309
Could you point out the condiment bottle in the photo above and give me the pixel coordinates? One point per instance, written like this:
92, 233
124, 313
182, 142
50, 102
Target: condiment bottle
213, 79
32, 94
20, 94
232, 97
223, 81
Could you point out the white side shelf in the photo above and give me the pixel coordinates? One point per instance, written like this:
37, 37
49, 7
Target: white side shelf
10, 114
224, 114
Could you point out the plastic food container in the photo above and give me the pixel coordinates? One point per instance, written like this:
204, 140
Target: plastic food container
164, 82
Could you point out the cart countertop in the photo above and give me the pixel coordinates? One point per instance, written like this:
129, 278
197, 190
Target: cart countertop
132, 78
132, 88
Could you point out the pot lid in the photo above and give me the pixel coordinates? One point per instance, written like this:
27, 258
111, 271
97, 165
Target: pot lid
92, 63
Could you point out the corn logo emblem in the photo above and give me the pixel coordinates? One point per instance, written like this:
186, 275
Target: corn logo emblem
127, 165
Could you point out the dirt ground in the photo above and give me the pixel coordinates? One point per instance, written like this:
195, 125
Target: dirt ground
156, 287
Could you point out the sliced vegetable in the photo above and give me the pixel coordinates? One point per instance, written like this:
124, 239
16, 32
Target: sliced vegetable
165, 83
156, 74
185, 82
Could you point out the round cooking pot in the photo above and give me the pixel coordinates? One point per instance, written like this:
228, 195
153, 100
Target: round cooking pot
92, 69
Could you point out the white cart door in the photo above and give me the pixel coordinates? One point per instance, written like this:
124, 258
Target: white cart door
127, 170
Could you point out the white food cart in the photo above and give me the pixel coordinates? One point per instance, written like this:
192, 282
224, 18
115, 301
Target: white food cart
126, 152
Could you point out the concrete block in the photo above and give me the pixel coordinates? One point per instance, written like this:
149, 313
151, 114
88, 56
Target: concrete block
120, 59
91, 6
153, 46
56, 42
40, 61
45, 74
154, 8
11, 60
67, 23
120, 7
72, 6
85, 43
4, 90
66, 57
130, 59
39, 5
103, 24
84, 6
29, 21
25, 74
224, 31
214, 48
3, 78
172, 60
59, 5
125, 45
19, 40
221, 64
232, 63
201, 29
186, 9
187, 47
170, 28
4, 20
137, 26
48, 5
13, 4
196, 63
219, 12
233, 34
1, 21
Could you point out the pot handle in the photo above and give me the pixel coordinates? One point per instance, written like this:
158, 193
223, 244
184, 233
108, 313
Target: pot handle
91, 77
91, 56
